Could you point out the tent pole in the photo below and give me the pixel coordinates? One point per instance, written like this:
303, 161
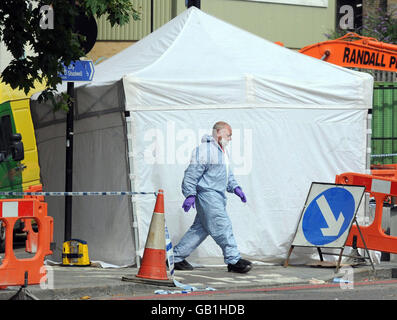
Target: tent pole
368, 159
136, 235
129, 130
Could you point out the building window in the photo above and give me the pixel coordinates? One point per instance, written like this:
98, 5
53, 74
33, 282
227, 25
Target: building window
5, 133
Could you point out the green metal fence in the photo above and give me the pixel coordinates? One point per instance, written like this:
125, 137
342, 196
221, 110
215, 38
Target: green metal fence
384, 123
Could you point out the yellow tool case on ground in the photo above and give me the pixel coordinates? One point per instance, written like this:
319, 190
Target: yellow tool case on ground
75, 253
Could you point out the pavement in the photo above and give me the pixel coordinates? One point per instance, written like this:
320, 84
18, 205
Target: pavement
75, 283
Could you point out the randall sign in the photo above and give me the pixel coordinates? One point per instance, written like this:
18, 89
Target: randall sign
368, 58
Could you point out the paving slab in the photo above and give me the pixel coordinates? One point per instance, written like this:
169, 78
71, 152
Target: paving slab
69, 283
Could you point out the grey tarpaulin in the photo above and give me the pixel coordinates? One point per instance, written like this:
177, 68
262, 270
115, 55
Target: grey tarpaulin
100, 163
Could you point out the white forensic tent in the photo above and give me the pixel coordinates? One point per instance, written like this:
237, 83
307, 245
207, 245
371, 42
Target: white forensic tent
295, 120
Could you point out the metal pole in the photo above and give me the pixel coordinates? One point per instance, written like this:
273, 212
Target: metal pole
69, 162
191, 3
69, 155
151, 16
365, 245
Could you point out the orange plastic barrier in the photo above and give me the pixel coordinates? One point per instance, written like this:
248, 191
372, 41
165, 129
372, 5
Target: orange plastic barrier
153, 261
13, 270
32, 236
381, 188
384, 170
37, 188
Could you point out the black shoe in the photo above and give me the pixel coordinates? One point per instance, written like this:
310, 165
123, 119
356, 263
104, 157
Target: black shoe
245, 261
242, 266
183, 265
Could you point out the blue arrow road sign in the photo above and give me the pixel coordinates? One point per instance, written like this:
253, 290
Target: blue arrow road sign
79, 70
328, 216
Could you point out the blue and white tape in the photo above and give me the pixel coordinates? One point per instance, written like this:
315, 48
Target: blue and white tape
169, 251
170, 258
74, 194
383, 155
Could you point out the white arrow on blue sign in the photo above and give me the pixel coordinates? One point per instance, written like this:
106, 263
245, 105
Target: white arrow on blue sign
328, 216
330, 210
79, 70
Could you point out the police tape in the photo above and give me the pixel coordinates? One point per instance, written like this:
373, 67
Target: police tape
169, 251
186, 288
75, 193
383, 155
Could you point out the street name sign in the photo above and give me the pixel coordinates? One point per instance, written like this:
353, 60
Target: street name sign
78, 70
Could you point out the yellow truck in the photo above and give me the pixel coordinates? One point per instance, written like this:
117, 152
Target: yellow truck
19, 166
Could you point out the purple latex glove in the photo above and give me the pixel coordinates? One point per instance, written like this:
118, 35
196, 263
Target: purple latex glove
188, 203
240, 193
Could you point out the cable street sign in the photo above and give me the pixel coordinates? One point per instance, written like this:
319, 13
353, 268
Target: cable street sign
78, 70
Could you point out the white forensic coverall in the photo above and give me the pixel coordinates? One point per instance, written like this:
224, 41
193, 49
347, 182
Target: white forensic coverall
207, 177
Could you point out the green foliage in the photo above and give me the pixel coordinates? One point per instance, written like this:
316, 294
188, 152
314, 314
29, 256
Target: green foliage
380, 24
118, 10
20, 29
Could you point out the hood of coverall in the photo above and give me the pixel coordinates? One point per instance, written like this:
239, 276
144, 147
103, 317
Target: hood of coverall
216, 156
207, 138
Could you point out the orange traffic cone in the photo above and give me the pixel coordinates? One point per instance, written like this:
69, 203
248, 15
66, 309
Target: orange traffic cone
153, 261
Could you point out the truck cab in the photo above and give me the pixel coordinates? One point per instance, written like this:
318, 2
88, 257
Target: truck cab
11, 151
19, 166
11, 154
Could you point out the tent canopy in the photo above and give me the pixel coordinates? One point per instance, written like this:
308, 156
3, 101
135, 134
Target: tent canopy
209, 59
295, 120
